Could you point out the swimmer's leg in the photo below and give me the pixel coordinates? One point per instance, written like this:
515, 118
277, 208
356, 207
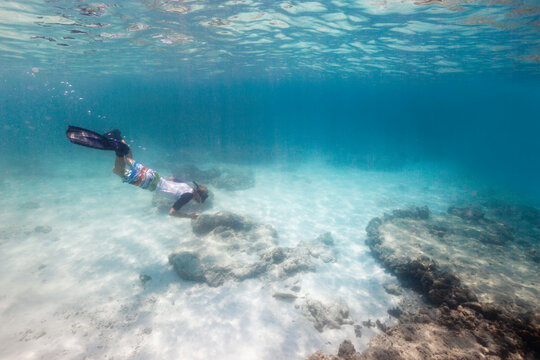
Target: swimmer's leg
121, 161
120, 166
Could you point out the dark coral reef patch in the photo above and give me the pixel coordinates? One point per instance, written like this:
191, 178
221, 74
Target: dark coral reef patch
477, 269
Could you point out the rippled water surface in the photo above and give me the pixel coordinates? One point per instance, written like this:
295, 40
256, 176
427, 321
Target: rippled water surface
276, 38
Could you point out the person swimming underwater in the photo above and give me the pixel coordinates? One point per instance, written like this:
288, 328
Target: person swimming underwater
134, 173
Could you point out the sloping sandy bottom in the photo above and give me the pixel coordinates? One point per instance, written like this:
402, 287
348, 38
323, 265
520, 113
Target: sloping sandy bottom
74, 242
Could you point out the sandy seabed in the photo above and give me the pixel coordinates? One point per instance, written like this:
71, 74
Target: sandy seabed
86, 275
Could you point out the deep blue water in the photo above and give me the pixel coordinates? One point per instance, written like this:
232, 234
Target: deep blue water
488, 125
362, 83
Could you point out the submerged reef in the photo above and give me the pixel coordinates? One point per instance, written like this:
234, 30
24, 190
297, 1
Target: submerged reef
460, 256
235, 247
326, 316
232, 247
476, 267
231, 178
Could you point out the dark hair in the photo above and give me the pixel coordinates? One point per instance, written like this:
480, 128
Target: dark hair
203, 193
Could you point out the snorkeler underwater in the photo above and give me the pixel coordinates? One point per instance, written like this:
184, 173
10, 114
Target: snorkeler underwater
137, 174
314, 180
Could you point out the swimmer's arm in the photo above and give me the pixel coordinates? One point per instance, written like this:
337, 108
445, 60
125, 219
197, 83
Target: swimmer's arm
175, 210
180, 214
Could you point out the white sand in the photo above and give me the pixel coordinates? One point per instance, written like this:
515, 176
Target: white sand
75, 293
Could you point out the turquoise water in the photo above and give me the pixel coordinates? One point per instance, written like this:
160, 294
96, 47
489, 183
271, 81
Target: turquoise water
339, 110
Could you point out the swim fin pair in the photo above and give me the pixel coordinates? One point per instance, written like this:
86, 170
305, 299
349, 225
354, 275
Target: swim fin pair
109, 141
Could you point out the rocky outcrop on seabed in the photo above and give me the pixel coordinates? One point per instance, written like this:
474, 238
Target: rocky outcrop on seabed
477, 268
326, 316
234, 247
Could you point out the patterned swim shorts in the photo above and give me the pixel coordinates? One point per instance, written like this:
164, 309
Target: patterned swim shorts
142, 176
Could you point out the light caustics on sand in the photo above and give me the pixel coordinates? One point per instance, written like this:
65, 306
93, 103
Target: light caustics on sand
91, 277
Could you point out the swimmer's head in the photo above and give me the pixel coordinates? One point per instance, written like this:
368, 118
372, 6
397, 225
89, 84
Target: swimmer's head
202, 191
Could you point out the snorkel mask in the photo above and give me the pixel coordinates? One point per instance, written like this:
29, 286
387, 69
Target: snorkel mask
201, 190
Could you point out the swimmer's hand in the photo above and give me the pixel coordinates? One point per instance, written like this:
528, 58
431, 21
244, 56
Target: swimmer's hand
193, 215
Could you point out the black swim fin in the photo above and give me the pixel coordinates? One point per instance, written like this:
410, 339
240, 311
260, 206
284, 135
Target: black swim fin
113, 134
94, 140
